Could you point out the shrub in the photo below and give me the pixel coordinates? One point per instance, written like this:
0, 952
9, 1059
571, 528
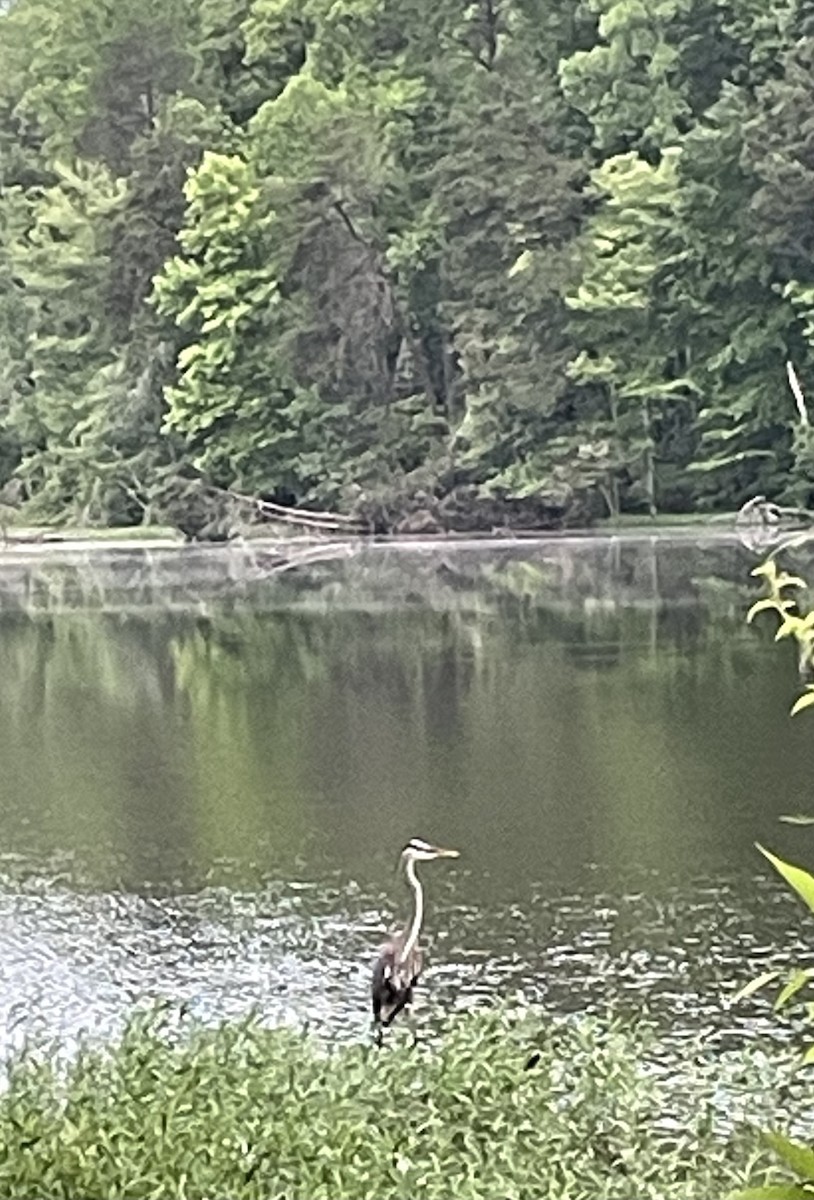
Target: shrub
501, 1105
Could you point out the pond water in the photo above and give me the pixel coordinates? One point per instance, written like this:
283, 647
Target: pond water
209, 766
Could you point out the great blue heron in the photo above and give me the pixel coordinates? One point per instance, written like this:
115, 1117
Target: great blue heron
399, 964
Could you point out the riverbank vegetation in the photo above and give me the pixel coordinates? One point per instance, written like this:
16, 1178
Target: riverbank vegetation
433, 265
499, 1104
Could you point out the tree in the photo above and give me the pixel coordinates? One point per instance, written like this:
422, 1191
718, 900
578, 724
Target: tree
740, 329
625, 299
499, 250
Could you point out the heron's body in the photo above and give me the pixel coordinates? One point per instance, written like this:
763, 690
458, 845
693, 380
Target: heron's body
394, 978
399, 964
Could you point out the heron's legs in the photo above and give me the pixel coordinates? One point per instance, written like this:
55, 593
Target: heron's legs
408, 1023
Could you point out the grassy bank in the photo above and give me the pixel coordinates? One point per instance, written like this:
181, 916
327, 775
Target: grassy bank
91, 533
501, 1107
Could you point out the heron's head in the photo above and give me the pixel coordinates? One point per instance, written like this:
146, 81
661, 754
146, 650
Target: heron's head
417, 850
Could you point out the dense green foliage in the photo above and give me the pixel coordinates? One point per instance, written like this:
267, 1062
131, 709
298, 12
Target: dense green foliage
380, 256
501, 1106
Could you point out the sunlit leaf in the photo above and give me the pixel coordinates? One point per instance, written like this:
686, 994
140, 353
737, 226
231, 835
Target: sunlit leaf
805, 701
521, 263
767, 568
798, 980
801, 881
768, 602
754, 985
794, 1154
784, 580
790, 626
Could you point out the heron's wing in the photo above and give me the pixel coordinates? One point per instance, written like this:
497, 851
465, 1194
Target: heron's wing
393, 981
382, 972
385, 987
402, 1000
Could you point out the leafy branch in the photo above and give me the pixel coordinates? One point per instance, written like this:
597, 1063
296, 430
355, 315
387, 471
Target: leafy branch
794, 622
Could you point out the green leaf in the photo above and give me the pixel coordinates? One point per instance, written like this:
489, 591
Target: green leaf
796, 877
794, 1154
791, 625
779, 606
798, 980
767, 568
754, 985
521, 263
784, 580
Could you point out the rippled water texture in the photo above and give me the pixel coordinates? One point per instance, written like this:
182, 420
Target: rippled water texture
209, 766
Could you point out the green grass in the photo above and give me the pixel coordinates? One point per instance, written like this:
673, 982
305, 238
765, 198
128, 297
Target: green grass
129, 533
70, 533
246, 1112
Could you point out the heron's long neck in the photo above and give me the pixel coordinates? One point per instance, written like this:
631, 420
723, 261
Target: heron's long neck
412, 931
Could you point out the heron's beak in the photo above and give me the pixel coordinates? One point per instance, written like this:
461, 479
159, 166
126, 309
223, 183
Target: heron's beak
439, 850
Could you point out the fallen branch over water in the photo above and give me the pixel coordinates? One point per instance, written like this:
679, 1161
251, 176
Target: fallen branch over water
204, 511
305, 517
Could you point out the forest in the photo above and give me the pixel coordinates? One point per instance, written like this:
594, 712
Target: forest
426, 264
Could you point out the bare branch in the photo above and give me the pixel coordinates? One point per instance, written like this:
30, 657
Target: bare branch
307, 518
797, 392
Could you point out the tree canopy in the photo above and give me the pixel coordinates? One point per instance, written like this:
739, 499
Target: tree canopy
496, 260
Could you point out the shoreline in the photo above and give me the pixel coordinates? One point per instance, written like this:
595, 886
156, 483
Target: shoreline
49, 541
45, 542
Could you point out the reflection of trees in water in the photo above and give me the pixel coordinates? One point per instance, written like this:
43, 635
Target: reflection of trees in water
459, 614
657, 599
179, 733
202, 623
170, 736
643, 608
86, 743
569, 571
46, 659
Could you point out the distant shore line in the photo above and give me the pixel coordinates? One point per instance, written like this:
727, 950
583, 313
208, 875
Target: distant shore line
46, 540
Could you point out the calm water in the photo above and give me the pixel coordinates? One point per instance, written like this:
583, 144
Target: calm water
209, 767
